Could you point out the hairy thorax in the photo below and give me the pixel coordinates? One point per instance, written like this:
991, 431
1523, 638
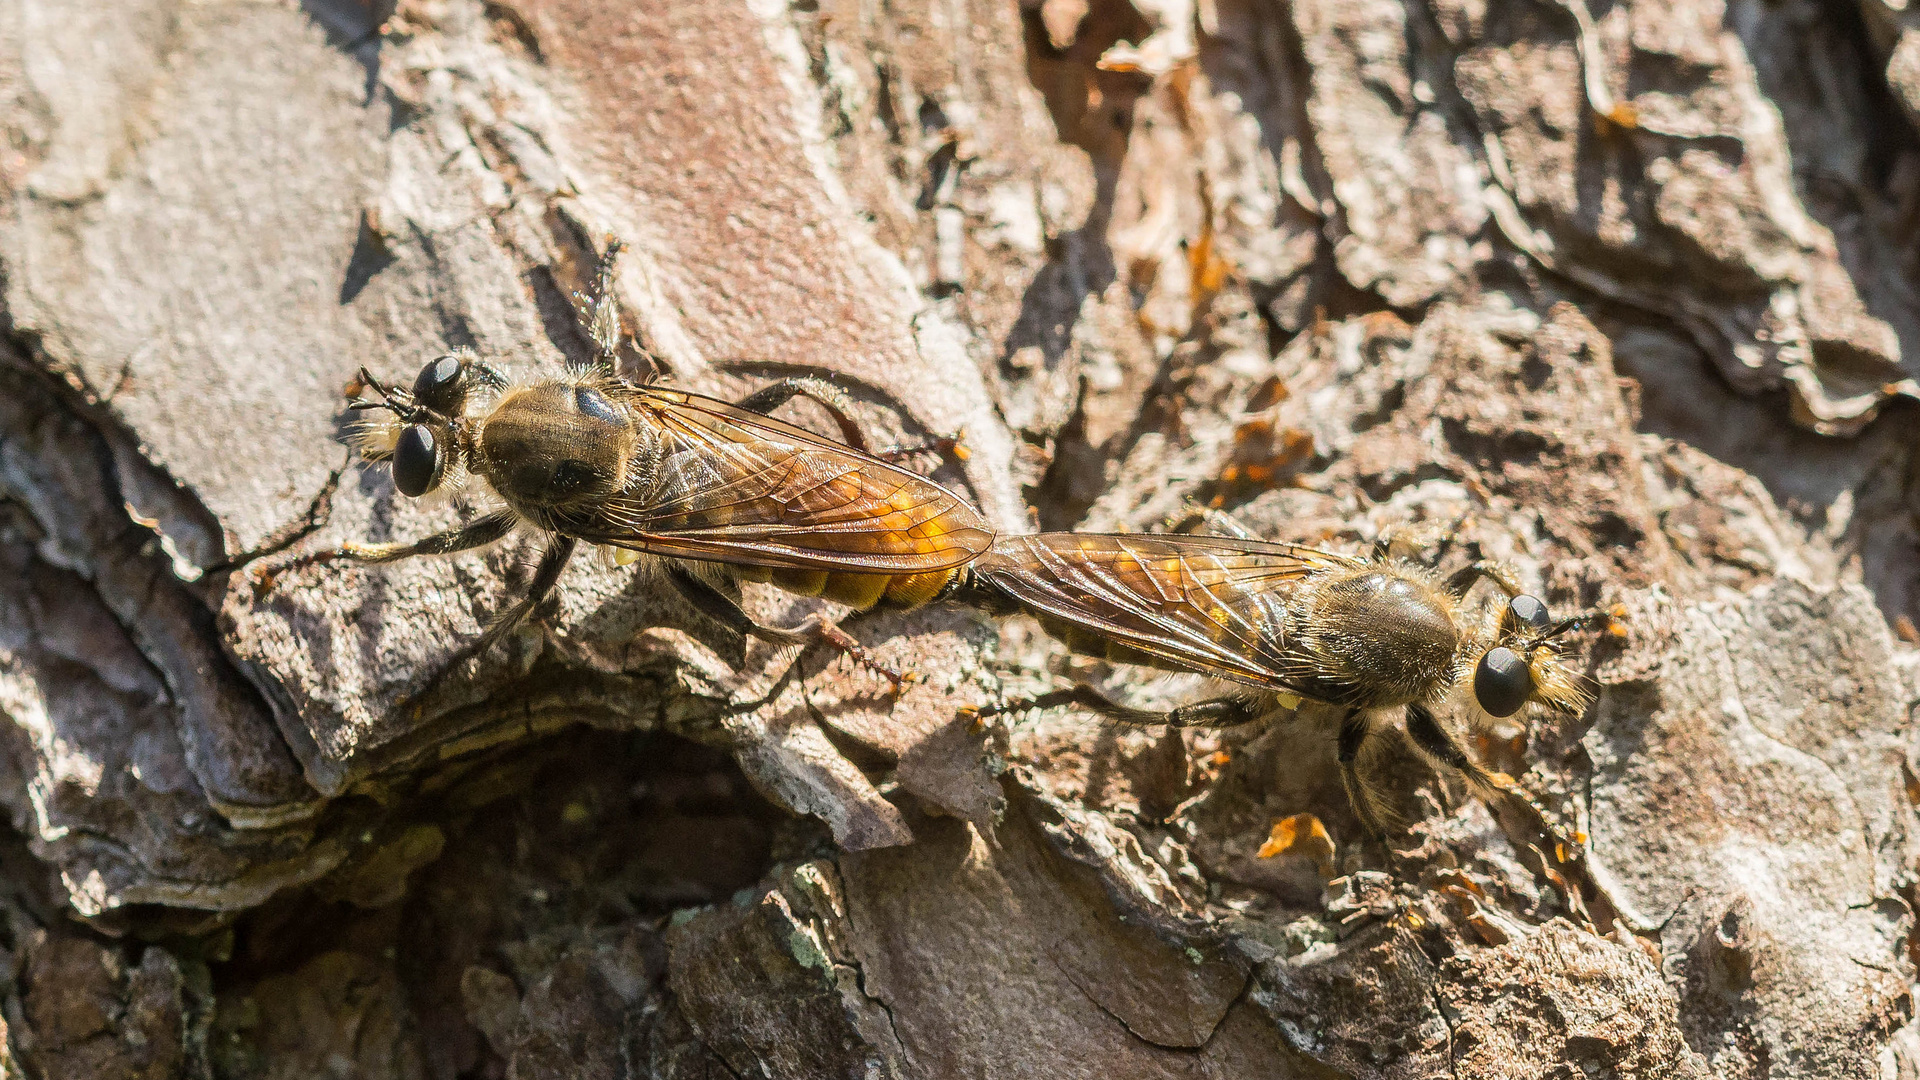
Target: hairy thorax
555, 444
1380, 637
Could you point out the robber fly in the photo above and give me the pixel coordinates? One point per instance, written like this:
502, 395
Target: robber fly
719, 493
1289, 624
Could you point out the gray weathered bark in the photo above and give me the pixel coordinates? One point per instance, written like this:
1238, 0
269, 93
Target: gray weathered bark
1627, 291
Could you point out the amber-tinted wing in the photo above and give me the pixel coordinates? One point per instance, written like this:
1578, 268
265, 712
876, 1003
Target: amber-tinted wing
739, 487
1200, 603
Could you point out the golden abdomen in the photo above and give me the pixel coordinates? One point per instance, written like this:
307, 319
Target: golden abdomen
858, 591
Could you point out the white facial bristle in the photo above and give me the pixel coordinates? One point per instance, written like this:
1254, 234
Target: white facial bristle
375, 434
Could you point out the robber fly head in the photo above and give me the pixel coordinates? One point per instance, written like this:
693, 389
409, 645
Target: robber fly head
1523, 664
421, 435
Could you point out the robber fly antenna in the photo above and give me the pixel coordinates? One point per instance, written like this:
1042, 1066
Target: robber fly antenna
1570, 626
397, 402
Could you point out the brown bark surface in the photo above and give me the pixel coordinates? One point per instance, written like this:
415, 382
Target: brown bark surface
1626, 293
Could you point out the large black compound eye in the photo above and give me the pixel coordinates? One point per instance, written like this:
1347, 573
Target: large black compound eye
1529, 612
417, 461
442, 385
1503, 682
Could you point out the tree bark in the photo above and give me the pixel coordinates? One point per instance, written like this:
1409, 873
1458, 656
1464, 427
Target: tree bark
1623, 295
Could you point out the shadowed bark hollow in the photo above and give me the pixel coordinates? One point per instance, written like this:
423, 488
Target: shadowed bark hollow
1626, 294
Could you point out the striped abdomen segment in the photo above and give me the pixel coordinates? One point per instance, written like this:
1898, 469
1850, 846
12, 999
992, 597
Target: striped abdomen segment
856, 590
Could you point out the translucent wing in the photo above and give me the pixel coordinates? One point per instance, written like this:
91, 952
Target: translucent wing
738, 487
1197, 603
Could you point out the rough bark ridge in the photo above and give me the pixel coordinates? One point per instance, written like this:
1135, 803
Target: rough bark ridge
1625, 291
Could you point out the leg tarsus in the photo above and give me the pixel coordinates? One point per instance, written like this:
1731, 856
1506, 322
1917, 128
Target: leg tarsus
817, 627
1080, 695
1612, 618
945, 445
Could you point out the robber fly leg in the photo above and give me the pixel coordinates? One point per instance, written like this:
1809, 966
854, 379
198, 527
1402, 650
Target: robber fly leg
1354, 731
1492, 570
480, 533
722, 609
945, 445
819, 391
1444, 748
1612, 618
1218, 522
712, 603
1440, 744
1081, 696
837, 405
1214, 712
600, 312
1435, 552
817, 627
1444, 544
545, 576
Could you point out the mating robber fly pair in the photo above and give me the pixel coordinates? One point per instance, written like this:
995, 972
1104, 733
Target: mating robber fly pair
717, 493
